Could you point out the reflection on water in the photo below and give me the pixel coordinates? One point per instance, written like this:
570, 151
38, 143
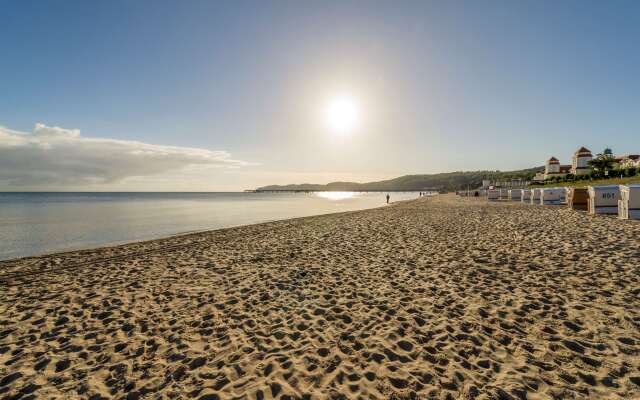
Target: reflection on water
37, 223
336, 195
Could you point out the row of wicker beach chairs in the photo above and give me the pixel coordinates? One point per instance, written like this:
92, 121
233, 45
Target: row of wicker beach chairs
620, 200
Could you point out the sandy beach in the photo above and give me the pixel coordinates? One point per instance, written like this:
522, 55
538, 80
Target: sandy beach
441, 298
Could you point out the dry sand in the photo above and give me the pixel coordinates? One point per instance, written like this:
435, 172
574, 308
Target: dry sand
436, 298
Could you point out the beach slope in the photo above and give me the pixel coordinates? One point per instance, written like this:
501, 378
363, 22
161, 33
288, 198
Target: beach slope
440, 298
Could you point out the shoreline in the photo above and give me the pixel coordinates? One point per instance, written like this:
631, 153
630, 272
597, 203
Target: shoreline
438, 298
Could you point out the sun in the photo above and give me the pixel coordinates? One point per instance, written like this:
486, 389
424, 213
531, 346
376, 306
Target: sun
343, 114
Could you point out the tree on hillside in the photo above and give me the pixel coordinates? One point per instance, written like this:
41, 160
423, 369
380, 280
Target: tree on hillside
603, 162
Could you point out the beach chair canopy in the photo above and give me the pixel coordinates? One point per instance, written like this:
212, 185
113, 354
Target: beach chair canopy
630, 195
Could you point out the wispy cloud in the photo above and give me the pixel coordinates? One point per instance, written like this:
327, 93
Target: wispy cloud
58, 157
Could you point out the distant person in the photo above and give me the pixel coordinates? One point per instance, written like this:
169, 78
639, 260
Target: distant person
388, 198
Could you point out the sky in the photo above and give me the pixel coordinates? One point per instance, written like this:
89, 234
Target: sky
224, 96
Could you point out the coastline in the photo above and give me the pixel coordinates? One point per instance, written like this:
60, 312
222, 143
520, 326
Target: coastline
428, 298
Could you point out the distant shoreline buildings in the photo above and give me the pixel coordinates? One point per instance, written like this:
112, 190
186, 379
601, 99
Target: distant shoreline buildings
580, 165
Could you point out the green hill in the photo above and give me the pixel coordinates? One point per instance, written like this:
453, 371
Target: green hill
448, 181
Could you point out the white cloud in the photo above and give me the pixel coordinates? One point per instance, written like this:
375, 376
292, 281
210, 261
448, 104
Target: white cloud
53, 157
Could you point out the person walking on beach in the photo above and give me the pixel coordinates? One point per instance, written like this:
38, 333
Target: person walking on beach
388, 198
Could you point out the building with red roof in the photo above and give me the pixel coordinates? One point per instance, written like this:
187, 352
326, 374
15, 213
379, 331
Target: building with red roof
580, 161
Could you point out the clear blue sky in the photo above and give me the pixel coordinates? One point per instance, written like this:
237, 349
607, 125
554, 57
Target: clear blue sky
440, 85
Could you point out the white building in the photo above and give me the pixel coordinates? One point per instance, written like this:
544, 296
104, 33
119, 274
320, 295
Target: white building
579, 165
580, 161
553, 168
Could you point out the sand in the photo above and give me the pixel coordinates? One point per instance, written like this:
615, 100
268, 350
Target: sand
440, 298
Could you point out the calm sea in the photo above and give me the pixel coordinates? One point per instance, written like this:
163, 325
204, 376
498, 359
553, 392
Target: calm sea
39, 223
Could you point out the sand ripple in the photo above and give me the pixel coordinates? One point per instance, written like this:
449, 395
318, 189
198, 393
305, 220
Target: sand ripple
438, 298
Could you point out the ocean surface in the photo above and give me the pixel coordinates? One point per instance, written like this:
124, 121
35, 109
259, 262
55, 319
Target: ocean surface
41, 223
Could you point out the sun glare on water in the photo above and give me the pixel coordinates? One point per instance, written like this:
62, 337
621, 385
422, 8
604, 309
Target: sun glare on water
343, 115
335, 195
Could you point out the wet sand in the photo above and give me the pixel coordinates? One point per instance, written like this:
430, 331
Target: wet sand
440, 298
